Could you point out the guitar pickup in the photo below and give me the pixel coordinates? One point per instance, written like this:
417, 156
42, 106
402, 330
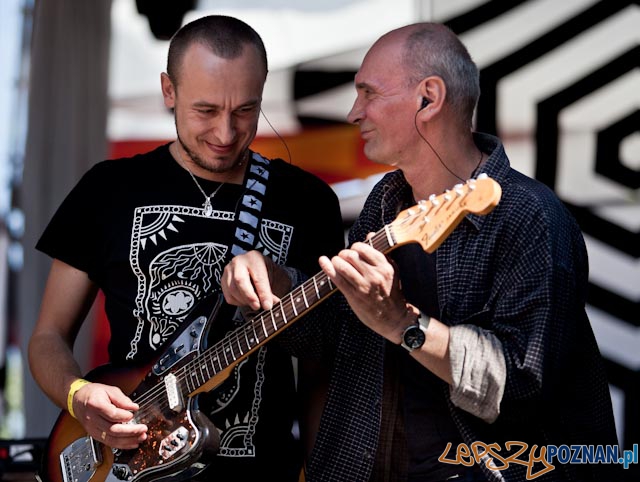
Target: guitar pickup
174, 397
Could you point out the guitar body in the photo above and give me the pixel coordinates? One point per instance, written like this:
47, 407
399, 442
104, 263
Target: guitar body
180, 440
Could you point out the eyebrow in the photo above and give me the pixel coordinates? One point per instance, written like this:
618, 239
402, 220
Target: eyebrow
203, 103
364, 85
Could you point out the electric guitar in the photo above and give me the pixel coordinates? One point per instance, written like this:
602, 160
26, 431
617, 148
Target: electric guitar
181, 440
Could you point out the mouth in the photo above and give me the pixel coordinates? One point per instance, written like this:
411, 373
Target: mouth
221, 150
366, 134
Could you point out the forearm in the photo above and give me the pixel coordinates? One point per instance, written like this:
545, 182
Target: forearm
53, 366
478, 371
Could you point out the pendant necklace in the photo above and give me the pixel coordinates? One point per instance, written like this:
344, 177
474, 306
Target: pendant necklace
208, 208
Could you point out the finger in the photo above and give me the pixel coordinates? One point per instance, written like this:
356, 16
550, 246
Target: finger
350, 265
262, 286
372, 264
122, 441
347, 277
240, 290
327, 266
127, 430
126, 435
121, 406
368, 253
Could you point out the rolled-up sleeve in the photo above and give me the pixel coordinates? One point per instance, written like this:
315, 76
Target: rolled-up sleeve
479, 371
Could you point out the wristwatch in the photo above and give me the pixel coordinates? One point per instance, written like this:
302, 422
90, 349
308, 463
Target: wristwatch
415, 335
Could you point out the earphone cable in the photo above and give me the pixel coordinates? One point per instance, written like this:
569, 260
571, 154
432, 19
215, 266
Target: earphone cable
415, 123
277, 134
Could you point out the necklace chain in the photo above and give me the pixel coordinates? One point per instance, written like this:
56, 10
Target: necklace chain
208, 208
206, 205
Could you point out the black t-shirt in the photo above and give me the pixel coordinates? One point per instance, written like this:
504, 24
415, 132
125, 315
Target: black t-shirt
429, 424
137, 227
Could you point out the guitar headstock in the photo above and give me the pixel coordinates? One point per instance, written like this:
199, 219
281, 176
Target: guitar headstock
430, 221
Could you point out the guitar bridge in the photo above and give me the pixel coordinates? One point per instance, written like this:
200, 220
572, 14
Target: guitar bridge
80, 460
173, 442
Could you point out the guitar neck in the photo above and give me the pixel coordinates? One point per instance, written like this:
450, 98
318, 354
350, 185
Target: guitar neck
239, 343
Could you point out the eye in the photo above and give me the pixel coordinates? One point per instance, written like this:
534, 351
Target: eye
247, 109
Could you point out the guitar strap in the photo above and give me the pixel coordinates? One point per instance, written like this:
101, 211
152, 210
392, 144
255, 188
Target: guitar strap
249, 213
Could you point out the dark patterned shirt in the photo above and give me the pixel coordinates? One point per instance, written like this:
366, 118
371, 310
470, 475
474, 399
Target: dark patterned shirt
514, 279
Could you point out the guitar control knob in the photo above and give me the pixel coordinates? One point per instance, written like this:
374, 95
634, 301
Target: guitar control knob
120, 472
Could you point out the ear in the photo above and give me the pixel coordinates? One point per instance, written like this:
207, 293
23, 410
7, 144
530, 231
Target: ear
433, 89
168, 91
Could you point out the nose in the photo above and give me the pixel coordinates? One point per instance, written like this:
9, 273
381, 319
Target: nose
355, 114
225, 129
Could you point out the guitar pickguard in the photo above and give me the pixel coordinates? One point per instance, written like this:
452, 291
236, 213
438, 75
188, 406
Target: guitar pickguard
188, 341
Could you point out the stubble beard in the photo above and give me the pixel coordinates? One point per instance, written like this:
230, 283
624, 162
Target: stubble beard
198, 161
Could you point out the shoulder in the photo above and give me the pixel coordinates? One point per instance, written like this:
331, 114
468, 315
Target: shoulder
525, 202
129, 168
532, 218
530, 198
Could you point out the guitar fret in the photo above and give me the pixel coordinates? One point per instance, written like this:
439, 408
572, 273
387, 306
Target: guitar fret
194, 374
284, 316
231, 351
264, 328
187, 383
273, 321
389, 238
204, 367
246, 336
216, 358
315, 285
239, 346
293, 304
224, 352
304, 297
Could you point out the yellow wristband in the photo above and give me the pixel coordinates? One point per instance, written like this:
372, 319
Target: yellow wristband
75, 386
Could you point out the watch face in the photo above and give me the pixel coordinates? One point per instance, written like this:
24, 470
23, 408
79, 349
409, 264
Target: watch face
414, 337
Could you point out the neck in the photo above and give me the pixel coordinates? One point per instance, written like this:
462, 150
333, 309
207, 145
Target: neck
447, 164
233, 174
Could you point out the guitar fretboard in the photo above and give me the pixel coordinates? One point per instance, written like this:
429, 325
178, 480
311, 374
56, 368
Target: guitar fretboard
239, 343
